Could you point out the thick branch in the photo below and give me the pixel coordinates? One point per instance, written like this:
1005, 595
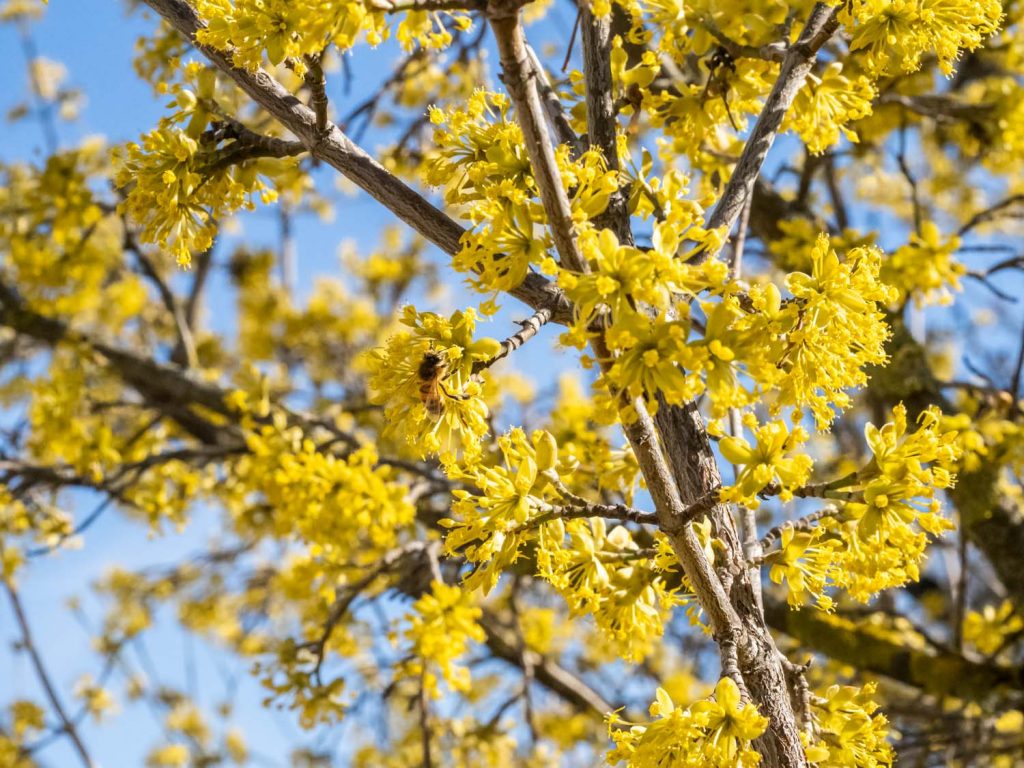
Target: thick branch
517, 74
933, 671
545, 671
796, 65
602, 127
334, 148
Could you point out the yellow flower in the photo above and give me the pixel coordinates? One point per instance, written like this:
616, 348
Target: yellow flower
439, 416
766, 462
826, 103
925, 268
989, 629
713, 733
444, 622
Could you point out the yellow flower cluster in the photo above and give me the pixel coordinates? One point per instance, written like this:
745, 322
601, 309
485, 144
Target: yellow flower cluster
712, 733
835, 328
25, 721
443, 411
993, 628
489, 528
805, 563
695, 115
606, 574
348, 510
847, 731
826, 103
925, 269
443, 623
804, 351
878, 539
40, 524
62, 250
284, 30
481, 162
895, 34
578, 425
175, 197
766, 461
985, 436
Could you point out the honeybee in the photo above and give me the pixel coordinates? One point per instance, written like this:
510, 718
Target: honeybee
431, 372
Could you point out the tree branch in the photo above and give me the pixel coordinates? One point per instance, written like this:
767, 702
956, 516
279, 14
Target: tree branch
933, 671
28, 643
530, 328
334, 148
602, 127
796, 65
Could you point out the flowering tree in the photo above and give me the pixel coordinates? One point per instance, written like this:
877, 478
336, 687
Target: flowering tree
772, 520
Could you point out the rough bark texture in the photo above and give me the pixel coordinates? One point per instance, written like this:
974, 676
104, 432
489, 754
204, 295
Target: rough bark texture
696, 473
796, 65
602, 127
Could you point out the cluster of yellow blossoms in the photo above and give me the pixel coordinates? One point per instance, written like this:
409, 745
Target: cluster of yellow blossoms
845, 729
925, 269
346, 509
176, 195
281, 30
877, 539
607, 575
443, 623
803, 352
715, 732
435, 416
895, 34
599, 572
766, 461
480, 161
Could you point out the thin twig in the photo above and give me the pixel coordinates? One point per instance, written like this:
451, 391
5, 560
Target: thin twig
989, 213
530, 328
553, 106
28, 643
804, 523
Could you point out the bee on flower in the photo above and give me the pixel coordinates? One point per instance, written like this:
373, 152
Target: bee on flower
425, 381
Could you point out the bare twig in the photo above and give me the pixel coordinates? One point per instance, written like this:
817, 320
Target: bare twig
186, 342
1018, 369
28, 643
530, 328
992, 212
553, 106
805, 523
